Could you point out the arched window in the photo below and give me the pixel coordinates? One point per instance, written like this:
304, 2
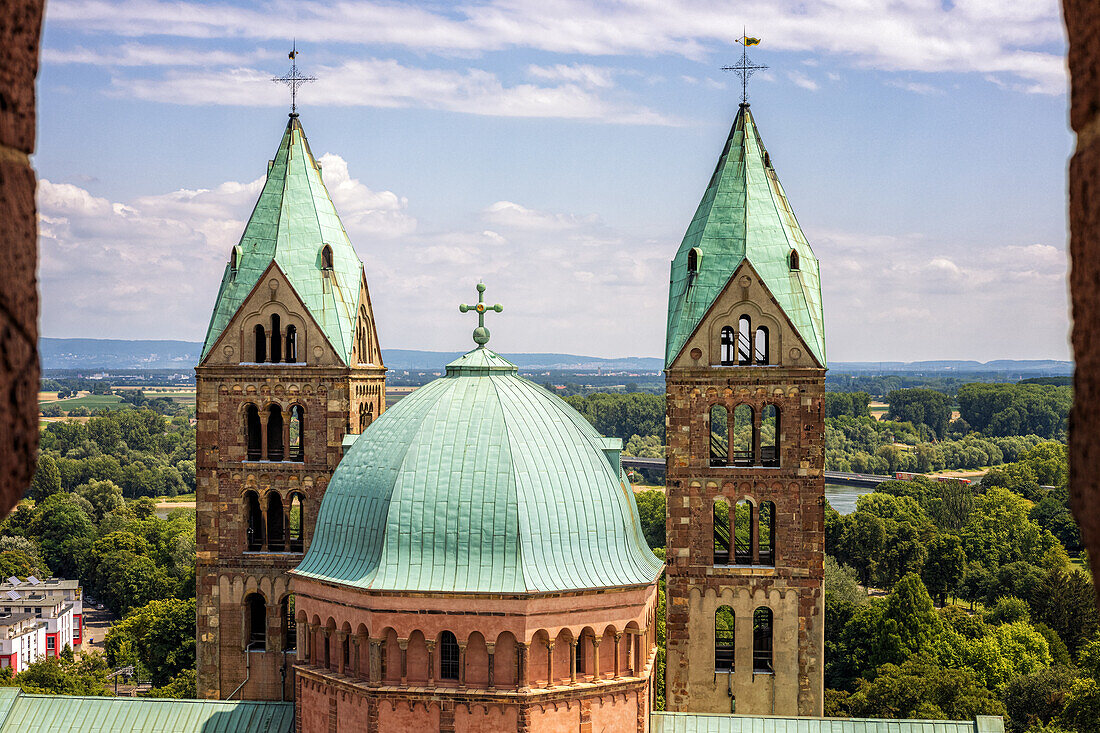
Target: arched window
719, 435
261, 344
274, 433
346, 650
767, 533
761, 346
794, 259
742, 533
724, 639
580, 664
233, 263
769, 436
295, 520
291, 344
721, 532
448, 656
256, 621
762, 640
742, 435
290, 625
693, 260
366, 415
276, 338
744, 341
253, 433
275, 535
729, 346
297, 447
255, 530
326, 257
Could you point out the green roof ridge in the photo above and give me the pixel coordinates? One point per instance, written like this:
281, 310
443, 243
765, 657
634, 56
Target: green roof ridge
744, 215
292, 221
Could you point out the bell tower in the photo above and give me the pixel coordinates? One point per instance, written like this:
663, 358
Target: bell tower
745, 374
291, 364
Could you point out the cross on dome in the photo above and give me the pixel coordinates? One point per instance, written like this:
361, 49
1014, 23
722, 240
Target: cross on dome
481, 334
293, 80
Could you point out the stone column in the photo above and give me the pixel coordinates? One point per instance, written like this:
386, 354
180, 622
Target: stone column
521, 665
303, 641
573, 661
403, 645
286, 435
263, 435
431, 662
596, 656
491, 648
313, 629
341, 638
462, 664
618, 636
374, 663
549, 664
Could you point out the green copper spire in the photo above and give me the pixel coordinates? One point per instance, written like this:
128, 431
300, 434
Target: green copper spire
481, 334
295, 224
744, 215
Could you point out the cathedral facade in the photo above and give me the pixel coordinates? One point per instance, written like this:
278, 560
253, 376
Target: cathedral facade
290, 365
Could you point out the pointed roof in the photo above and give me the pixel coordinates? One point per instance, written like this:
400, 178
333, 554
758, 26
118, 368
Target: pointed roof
293, 220
744, 215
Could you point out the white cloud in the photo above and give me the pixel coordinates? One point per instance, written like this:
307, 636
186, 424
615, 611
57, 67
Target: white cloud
160, 257
1009, 40
915, 86
906, 298
801, 80
583, 74
137, 54
387, 83
512, 215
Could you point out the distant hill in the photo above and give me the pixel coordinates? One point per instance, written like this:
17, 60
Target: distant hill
104, 354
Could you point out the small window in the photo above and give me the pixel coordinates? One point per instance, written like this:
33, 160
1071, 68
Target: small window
728, 346
253, 433
719, 435
762, 640
255, 530
694, 255
742, 533
234, 259
769, 437
448, 656
579, 662
794, 259
276, 338
274, 433
767, 533
256, 615
724, 639
721, 532
744, 341
291, 344
326, 257
296, 448
261, 344
761, 346
295, 518
742, 435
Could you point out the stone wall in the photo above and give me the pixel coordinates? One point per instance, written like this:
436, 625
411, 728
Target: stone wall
20, 26
1083, 25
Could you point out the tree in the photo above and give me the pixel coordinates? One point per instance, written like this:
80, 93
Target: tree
47, 478
52, 676
921, 407
862, 543
160, 636
910, 624
1038, 697
904, 552
1082, 702
1000, 531
105, 496
651, 510
63, 531
1065, 601
182, 686
1006, 651
919, 688
841, 585
944, 568
1008, 609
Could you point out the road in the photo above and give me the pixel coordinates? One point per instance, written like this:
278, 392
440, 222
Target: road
833, 477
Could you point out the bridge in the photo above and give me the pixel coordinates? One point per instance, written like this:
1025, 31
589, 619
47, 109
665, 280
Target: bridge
832, 477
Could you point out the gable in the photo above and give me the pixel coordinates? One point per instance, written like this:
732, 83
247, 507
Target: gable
746, 294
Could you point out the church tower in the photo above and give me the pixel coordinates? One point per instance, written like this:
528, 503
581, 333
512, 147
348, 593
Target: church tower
291, 364
745, 374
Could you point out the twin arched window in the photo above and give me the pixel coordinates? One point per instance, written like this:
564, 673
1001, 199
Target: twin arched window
281, 349
749, 539
725, 640
269, 436
733, 442
744, 347
270, 528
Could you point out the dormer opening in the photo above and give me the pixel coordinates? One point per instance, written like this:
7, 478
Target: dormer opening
326, 258
793, 258
234, 260
694, 255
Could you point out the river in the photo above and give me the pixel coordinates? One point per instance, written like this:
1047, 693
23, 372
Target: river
843, 498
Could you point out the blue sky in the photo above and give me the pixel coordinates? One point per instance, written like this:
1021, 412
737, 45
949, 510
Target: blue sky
558, 149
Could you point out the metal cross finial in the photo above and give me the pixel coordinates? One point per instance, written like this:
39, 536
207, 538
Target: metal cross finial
293, 80
481, 334
745, 67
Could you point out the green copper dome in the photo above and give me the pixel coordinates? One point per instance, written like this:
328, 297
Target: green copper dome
480, 482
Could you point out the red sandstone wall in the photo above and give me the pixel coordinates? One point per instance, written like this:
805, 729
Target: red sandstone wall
1083, 26
20, 26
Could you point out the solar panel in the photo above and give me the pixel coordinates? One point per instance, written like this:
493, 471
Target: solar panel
13, 580
33, 580
13, 595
